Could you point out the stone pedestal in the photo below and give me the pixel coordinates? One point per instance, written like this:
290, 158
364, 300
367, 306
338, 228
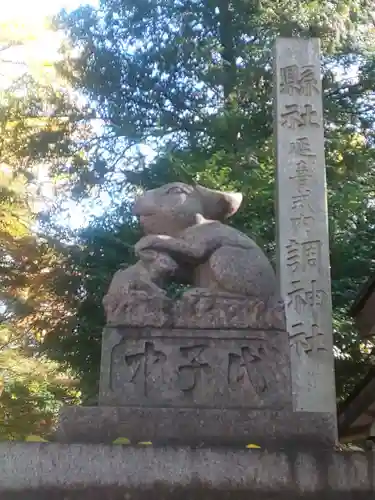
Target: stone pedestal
78, 472
204, 370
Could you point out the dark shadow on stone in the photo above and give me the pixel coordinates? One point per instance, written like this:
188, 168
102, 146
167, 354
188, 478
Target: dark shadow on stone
191, 492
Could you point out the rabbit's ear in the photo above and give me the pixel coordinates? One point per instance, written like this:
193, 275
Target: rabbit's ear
218, 205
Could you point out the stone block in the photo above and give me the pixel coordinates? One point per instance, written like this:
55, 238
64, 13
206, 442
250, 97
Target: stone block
209, 352
78, 472
195, 426
195, 368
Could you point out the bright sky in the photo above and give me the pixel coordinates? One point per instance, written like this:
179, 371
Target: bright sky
34, 9
28, 17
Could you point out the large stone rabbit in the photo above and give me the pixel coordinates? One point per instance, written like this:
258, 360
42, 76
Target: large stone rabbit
185, 231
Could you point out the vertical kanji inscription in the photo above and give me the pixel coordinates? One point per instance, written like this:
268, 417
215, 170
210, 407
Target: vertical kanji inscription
302, 222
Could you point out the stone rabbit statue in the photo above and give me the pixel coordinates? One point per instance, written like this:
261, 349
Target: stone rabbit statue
187, 223
185, 237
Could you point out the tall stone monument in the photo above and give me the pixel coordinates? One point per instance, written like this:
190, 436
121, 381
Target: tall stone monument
303, 249
210, 368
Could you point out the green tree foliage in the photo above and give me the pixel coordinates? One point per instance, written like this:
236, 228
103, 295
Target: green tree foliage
33, 124
193, 79
32, 388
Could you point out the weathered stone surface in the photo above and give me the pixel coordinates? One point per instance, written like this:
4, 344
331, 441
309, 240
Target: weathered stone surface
66, 472
200, 310
142, 310
133, 287
186, 368
303, 246
195, 426
205, 310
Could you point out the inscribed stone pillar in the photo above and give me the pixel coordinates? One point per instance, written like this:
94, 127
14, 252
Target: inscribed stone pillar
303, 248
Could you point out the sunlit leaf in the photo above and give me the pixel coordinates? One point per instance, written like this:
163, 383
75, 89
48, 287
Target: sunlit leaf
121, 440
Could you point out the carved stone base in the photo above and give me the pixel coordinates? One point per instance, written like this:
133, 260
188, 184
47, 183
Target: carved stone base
200, 310
195, 368
195, 427
206, 370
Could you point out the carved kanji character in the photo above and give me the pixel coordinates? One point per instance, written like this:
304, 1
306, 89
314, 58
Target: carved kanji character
301, 146
295, 116
289, 76
141, 363
244, 365
302, 175
307, 81
190, 371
